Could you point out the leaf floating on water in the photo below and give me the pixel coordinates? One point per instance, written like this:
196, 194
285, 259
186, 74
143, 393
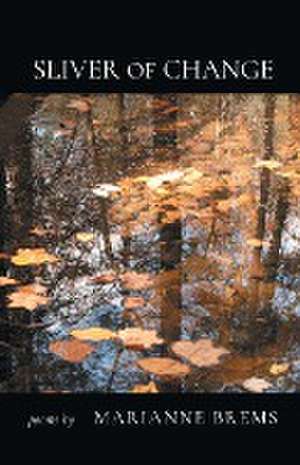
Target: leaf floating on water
131, 303
105, 190
73, 350
257, 385
167, 367
37, 231
201, 353
29, 297
136, 281
257, 243
155, 182
5, 281
145, 388
3, 255
26, 257
93, 334
279, 368
104, 278
80, 105
136, 338
85, 237
69, 123
269, 164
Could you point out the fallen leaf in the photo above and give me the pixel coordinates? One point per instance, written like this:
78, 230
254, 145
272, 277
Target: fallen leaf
62, 133
145, 388
133, 302
136, 338
69, 123
269, 164
37, 231
25, 257
85, 237
257, 243
93, 334
104, 278
257, 385
5, 281
30, 297
73, 350
105, 190
80, 105
156, 181
136, 281
3, 255
279, 368
201, 353
167, 367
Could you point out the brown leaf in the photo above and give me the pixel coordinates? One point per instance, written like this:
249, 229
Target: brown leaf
104, 278
73, 350
165, 367
136, 338
37, 231
29, 297
136, 281
201, 353
145, 388
5, 281
131, 303
69, 123
80, 105
93, 334
256, 384
26, 257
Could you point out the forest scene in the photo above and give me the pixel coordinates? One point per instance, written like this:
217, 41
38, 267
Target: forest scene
149, 243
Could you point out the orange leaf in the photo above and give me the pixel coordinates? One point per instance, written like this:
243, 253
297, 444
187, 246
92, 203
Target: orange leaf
201, 353
73, 350
29, 297
167, 367
136, 281
5, 281
145, 388
133, 302
26, 257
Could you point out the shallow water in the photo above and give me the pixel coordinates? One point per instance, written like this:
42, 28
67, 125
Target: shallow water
188, 203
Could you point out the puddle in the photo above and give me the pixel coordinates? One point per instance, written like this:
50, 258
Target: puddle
175, 217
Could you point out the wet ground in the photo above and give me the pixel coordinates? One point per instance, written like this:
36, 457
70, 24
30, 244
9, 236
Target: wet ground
150, 243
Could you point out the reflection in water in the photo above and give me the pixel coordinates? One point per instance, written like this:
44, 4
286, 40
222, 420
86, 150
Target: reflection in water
174, 213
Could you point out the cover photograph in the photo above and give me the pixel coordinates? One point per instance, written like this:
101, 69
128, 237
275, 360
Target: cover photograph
149, 246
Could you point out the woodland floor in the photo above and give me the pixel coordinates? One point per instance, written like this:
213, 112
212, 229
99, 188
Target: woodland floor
150, 243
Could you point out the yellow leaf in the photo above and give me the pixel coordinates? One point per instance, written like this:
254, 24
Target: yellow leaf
279, 368
269, 164
93, 334
145, 388
136, 338
85, 237
26, 257
257, 385
257, 243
